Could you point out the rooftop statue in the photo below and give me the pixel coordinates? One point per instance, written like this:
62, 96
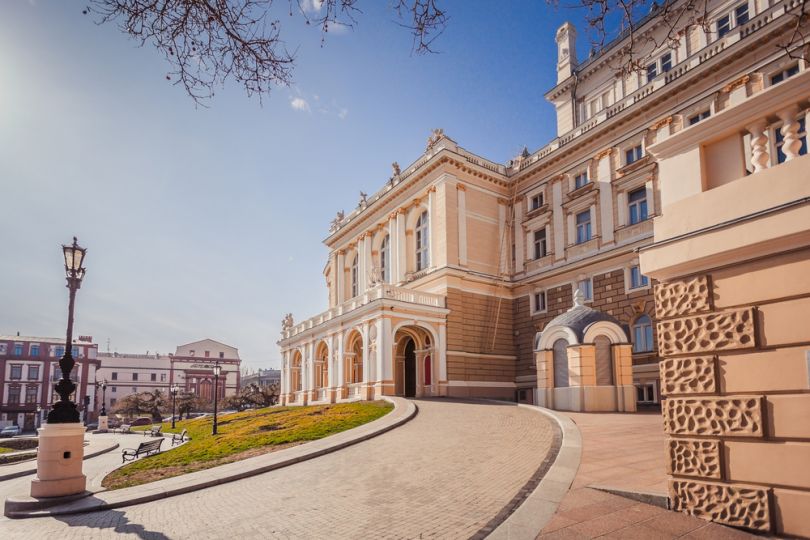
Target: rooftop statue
337, 221
363, 200
287, 322
435, 136
395, 171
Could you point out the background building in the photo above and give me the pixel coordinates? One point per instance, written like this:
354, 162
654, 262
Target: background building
29, 368
262, 377
128, 373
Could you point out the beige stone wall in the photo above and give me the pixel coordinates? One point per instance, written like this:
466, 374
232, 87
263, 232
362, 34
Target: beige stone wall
737, 385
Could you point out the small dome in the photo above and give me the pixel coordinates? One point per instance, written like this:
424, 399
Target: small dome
577, 320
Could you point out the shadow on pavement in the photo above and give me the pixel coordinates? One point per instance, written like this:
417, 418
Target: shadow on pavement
112, 520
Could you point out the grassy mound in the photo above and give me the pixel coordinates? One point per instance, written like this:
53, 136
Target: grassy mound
243, 435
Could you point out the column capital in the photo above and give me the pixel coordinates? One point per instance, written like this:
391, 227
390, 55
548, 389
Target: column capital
461, 187
603, 153
432, 189
736, 83
661, 123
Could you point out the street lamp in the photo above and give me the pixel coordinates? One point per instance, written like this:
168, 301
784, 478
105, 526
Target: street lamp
173, 392
217, 370
103, 385
64, 411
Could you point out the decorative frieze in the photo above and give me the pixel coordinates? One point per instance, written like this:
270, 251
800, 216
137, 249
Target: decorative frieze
739, 506
683, 297
692, 457
707, 333
688, 376
713, 416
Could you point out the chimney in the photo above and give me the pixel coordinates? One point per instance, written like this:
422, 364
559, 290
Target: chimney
566, 51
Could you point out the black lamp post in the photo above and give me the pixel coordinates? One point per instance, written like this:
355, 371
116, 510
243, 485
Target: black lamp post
103, 385
173, 392
217, 369
64, 411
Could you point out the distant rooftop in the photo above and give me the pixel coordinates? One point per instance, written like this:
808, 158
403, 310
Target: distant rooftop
58, 341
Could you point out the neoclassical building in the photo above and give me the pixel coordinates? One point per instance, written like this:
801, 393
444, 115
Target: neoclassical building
441, 282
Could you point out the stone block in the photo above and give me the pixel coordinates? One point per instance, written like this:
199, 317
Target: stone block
694, 457
694, 375
735, 505
683, 297
729, 330
733, 416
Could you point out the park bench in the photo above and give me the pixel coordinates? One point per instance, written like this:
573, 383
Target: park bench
145, 448
154, 431
125, 428
178, 439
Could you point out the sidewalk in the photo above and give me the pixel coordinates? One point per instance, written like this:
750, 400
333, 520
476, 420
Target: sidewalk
624, 452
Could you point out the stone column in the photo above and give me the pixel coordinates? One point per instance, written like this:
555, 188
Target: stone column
402, 263
431, 226
441, 354
340, 278
393, 253
603, 181
380, 357
558, 217
503, 241
341, 368
366, 361
368, 264
461, 194
520, 249
361, 264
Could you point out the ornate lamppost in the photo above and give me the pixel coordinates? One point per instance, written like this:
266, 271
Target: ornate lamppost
217, 369
173, 391
61, 439
103, 386
64, 411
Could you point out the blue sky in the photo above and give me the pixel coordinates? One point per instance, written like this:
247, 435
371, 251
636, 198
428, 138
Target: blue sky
208, 222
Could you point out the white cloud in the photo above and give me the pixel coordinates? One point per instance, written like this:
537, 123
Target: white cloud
343, 113
311, 6
300, 104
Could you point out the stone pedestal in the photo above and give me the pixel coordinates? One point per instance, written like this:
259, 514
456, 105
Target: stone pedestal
59, 461
102, 423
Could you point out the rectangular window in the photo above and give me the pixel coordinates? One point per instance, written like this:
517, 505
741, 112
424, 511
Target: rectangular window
75, 352
580, 180
33, 373
637, 279
112, 401
540, 301
637, 205
31, 394
586, 287
18, 349
666, 62
536, 201
207, 354
154, 377
3, 348
631, 155
741, 14
134, 376
114, 389
652, 71
59, 352
191, 352
645, 393
776, 78
698, 117
13, 394
34, 350
779, 141
583, 226
162, 377
114, 376
723, 25
16, 372
222, 355
540, 243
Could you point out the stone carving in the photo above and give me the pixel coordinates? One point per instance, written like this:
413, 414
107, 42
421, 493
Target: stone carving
720, 416
337, 221
287, 322
363, 200
435, 136
707, 333
682, 297
395, 171
691, 457
688, 376
740, 506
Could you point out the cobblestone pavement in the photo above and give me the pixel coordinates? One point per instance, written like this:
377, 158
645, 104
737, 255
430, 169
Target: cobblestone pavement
444, 474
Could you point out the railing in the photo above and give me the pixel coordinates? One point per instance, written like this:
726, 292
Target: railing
378, 292
354, 389
322, 394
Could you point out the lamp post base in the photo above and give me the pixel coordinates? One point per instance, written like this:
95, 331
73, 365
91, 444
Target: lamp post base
59, 461
103, 424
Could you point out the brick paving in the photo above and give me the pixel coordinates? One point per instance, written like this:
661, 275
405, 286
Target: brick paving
624, 451
444, 474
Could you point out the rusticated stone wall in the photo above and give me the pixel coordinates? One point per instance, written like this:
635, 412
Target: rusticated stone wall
733, 404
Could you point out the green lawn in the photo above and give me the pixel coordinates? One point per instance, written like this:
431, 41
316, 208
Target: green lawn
242, 435
3, 450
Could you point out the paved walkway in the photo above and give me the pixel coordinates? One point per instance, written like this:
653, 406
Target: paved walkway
627, 452
445, 474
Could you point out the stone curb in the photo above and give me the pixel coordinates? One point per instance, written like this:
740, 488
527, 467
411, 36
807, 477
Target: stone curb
32, 470
528, 520
404, 411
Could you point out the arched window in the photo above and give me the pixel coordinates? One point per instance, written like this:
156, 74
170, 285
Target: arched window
643, 335
385, 259
422, 242
354, 277
560, 363
604, 361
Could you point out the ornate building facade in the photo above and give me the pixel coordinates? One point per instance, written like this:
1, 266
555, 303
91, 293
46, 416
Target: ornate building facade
688, 176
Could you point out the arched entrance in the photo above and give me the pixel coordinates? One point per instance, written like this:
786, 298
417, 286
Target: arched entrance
414, 371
